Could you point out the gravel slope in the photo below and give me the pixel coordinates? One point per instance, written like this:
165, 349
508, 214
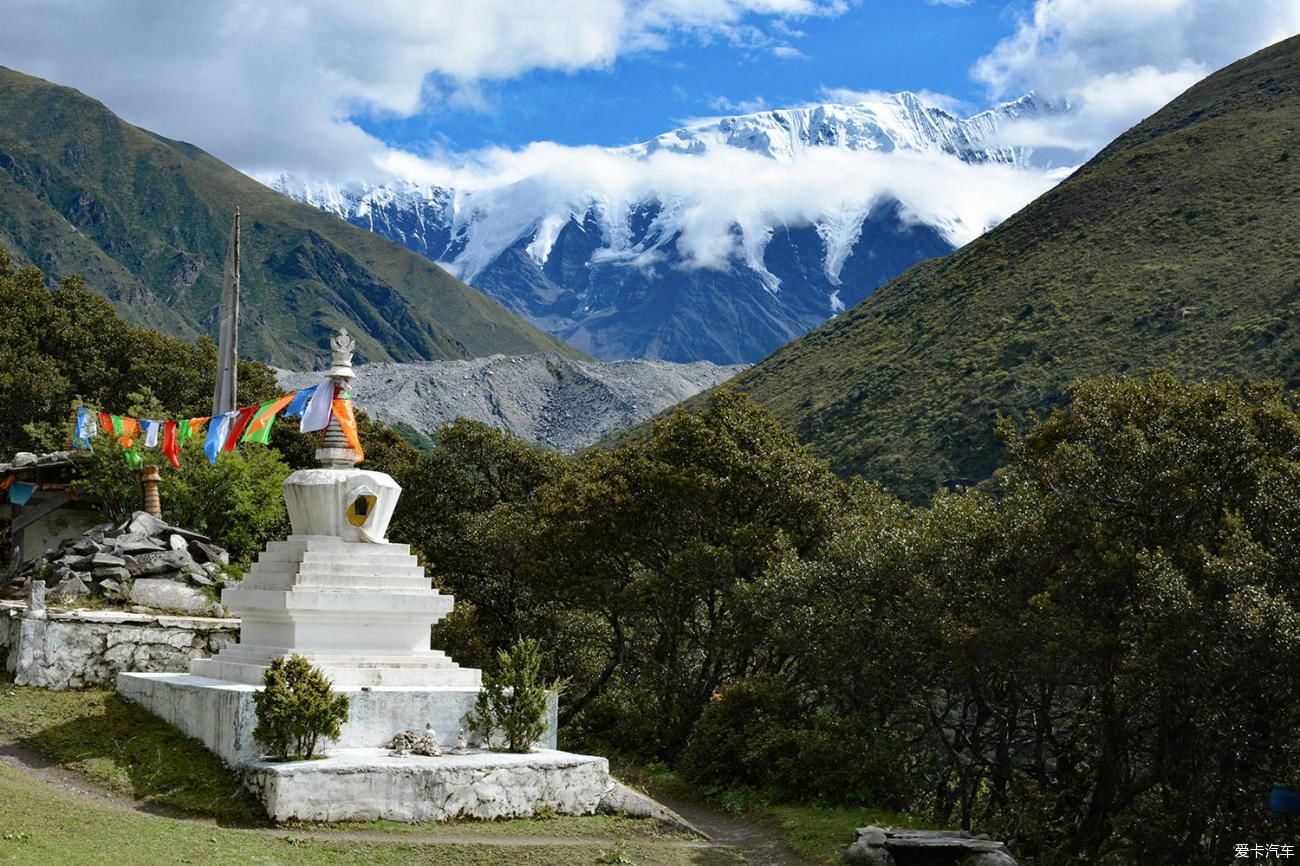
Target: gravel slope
544, 398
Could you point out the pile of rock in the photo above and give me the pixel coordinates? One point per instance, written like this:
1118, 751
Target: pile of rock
144, 563
886, 846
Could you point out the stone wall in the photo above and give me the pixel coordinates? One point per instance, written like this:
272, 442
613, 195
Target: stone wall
76, 649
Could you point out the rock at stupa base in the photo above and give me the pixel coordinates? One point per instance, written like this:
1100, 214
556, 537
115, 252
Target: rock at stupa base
371, 784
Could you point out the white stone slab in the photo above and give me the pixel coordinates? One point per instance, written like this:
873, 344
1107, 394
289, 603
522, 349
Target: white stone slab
370, 784
221, 714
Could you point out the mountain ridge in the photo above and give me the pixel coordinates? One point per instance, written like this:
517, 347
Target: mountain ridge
146, 221
1174, 248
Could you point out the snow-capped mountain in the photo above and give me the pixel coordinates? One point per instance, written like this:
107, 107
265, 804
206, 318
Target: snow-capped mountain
900, 122
717, 241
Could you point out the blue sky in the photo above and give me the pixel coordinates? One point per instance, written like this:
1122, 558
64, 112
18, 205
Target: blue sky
881, 45
336, 89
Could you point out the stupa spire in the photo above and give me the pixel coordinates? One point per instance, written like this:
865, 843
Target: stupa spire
335, 453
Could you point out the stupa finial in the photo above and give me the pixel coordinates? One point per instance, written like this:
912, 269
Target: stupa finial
341, 348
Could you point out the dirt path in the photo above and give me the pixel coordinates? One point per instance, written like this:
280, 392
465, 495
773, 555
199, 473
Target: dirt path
757, 845
760, 845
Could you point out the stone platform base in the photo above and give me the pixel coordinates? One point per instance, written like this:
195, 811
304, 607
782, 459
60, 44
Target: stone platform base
371, 784
221, 713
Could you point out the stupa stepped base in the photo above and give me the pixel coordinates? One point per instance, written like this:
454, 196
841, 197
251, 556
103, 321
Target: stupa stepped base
240, 663
221, 715
359, 611
371, 784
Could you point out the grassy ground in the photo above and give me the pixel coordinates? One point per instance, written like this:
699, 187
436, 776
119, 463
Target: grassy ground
815, 832
125, 749
119, 746
43, 825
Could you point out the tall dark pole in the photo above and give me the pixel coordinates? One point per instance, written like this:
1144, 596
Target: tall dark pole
225, 394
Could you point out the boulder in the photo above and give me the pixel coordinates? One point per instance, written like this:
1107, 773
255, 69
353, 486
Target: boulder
163, 562
176, 542
163, 594
83, 546
200, 578
883, 846
204, 552
109, 585
111, 572
133, 543
72, 587
104, 560
144, 523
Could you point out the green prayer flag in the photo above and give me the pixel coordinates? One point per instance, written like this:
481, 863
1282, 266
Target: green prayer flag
259, 427
133, 458
118, 426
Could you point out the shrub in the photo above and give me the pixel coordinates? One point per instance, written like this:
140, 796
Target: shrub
512, 702
742, 734
757, 734
296, 708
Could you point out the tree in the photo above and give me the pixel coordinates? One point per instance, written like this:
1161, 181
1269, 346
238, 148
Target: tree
296, 708
65, 347
660, 538
1099, 658
513, 700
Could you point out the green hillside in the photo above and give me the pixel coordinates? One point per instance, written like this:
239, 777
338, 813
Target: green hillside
147, 221
1176, 247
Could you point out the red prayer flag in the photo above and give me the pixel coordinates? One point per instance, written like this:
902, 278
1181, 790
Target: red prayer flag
106, 423
171, 448
246, 414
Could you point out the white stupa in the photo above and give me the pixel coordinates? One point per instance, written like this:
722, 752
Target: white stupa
360, 608
336, 592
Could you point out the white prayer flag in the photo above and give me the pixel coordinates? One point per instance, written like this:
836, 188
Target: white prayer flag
317, 416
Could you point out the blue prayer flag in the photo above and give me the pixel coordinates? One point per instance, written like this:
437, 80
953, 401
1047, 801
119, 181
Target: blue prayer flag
218, 430
86, 427
299, 402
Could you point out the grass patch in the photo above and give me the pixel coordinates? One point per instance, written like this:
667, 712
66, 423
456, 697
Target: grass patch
821, 833
45, 826
125, 749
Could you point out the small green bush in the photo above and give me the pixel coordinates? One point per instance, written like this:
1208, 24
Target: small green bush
512, 702
296, 709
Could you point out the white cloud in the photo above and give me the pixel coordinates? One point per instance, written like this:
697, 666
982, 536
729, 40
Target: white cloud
788, 52
1117, 61
273, 84
503, 194
731, 106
